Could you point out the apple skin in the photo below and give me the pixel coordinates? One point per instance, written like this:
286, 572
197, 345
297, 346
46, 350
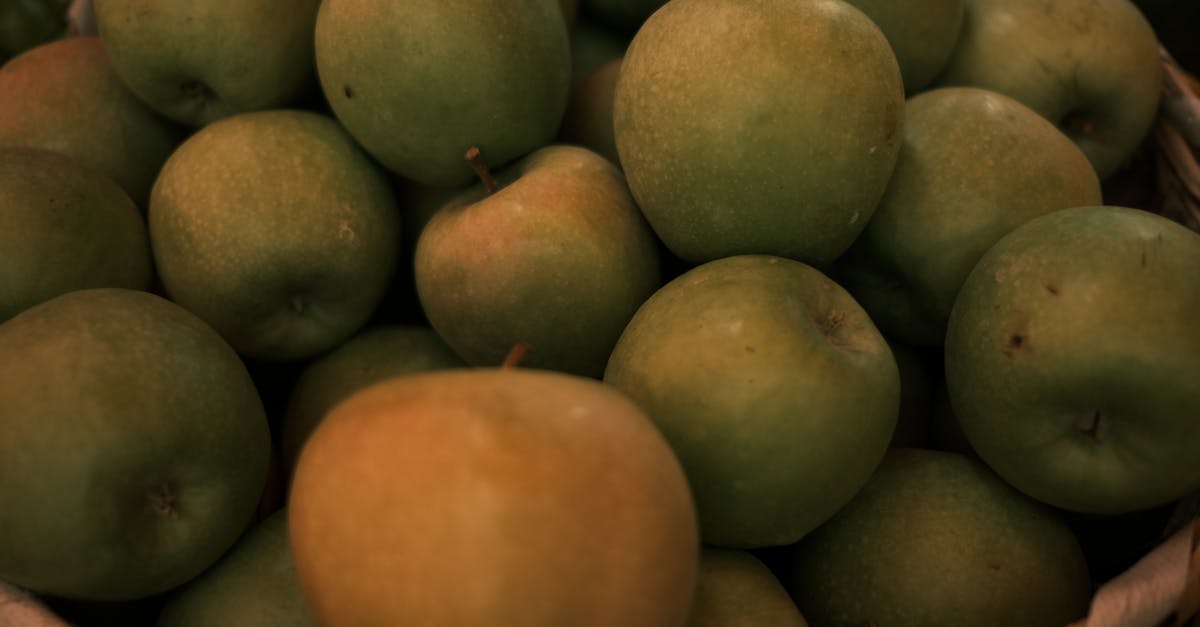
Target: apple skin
766, 127
1071, 357
922, 33
558, 258
773, 387
65, 227
135, 446
417, 83
68, 80
498, 497
198, 61
1089, 66
735, 589
284, 270
936, 539
974, 165
254, 584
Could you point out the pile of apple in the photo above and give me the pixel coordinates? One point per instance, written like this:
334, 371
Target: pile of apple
618, 313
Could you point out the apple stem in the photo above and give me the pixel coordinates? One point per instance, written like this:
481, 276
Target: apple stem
515, 355
481, 170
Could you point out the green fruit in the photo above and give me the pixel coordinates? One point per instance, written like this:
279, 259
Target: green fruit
418, 83
763, 126
72, 102
558, 258
64, 227
937, 540
735, 589
1071, 358
922, 34
199, 61
975, 164
25, 24
373, 355
276, 229
589, 117
773, 387
492, 497
1091, 67
253, 585
135, 446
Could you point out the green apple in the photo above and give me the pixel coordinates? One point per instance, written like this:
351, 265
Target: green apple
196, 61
974, 165
135, 446
417, 83
936, 539
589, 117
492, 497
25, 24
735, 589
72, 102
64, 227
376, 353
764, 127
277, 229
253, 585
922, 34
1090, 66
1071, 358
773, 387
557, 257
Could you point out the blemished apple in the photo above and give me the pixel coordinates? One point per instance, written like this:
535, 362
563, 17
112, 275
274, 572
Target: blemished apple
64, 227
196, 61
417, 83
556, 256
936, 539
975, 164
773, 387
374, 354
735, 589
254, 584
1071, 358
71, 101
492, 496
284, 270
135, 446
766, 127
1091, 67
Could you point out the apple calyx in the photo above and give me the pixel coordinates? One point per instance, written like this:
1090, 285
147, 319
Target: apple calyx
515, 355
161, 501
481, 170
1092, 426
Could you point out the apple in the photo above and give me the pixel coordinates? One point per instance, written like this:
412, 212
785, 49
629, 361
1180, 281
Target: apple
284, 270
71, 101
936, 538
135, 446
376, 353
253, 584
64, 227
922, 34
552, 252
1071, 354
1089, 66
589, 117
492, 497
735, 589
769, 127
974, 165
773, 387
417, 83
198, 61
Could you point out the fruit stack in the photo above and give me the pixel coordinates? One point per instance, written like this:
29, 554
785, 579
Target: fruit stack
655, 313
